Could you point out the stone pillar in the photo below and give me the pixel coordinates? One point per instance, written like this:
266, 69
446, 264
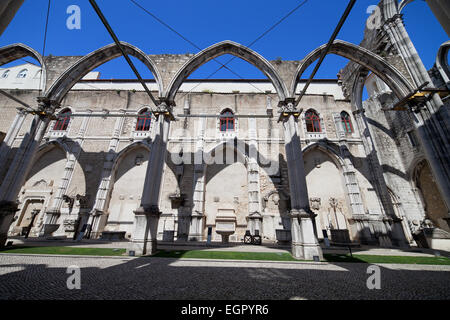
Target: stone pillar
254, 199
11, 135
304, 241
432, 121
20, 167
99, 210
351, 183
197, 216
147, 215
55, 208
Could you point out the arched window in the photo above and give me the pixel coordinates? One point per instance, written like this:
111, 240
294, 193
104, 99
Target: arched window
226, 120
312, 121
22, 73
63, 120
346, 122
143, 121
5, 74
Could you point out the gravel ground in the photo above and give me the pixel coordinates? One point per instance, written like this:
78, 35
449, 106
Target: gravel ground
44, 277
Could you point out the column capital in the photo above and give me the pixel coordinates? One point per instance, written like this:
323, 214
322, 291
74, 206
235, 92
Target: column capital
53, 211
288, 108
302, 213
152, 210
46, 107
164, 108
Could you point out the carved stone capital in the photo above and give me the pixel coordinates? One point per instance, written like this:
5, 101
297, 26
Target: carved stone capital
152, 210
301, 213
46, 107
164, 108
287, 108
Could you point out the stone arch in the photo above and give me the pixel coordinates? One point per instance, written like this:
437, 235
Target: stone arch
334, 156
50, 145
403, 4
221, 48
318, 169
433, 202
118, 157
369, 60
16, 51
442, 62
94, 59
127, 181
221, 146
226, 194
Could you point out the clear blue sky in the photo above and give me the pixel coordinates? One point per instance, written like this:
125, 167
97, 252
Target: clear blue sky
205, 22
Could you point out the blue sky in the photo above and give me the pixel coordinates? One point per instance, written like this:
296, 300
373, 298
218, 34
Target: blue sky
205, 22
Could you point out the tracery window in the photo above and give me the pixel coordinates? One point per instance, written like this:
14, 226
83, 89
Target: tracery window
227, 120
346, 122
63, 120
22, 73
312, 120
144, 120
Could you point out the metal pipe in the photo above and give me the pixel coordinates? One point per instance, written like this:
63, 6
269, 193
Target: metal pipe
327, 48
116, 40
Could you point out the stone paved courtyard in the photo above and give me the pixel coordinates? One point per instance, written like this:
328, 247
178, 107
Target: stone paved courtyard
44, 277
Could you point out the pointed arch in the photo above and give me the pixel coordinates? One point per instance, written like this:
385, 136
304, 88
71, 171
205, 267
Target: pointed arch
121, 154
442, 62
16, 51
334, 156
242, 154
369, 60
221, 48
91, 61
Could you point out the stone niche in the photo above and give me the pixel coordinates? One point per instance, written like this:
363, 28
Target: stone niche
225, 223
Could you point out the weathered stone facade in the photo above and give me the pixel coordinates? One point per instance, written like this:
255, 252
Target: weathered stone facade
220, 156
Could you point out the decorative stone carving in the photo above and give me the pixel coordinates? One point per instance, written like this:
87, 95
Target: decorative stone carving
139, 159
315, 203
40, 183
177, 199
82, 201
70, 224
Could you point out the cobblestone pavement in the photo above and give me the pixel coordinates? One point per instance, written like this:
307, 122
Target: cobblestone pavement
45, 277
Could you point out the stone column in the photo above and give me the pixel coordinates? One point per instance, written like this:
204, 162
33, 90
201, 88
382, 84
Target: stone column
432, 121
20, 167
351, 183
254, 199
147, 215
197, 216
55, 209
304, 242
98, 212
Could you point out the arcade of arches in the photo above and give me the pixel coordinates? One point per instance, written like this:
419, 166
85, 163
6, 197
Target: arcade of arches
111, 166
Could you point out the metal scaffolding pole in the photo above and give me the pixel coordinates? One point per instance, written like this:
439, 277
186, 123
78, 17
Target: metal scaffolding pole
116, 40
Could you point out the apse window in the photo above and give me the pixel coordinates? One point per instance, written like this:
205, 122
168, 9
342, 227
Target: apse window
63, 120
346, 122
22, 74
227, 121
312, 120
144, 120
